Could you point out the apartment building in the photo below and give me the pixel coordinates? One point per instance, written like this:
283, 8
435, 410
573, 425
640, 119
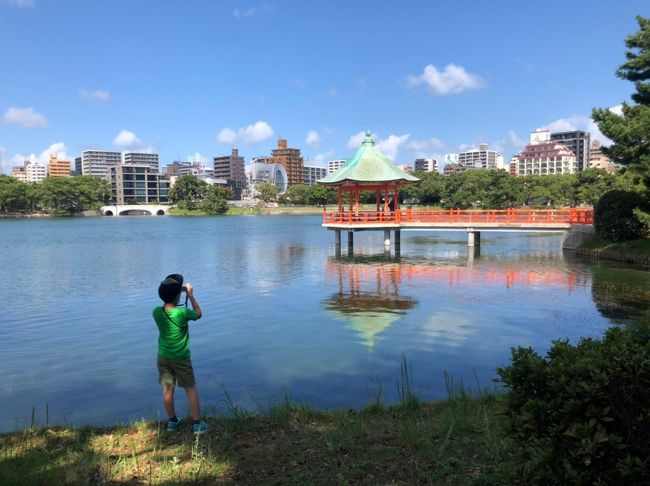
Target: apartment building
230, 167
334, 165
96, 162
543, 156
291, 160
30, 171
481, 158
182, 168
577, 142
151, 160
137, 184
57, 167
313, 173
598, 160
426, 165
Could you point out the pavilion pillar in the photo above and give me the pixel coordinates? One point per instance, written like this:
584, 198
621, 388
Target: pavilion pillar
397, 241
337, 242
386, 240
350, 243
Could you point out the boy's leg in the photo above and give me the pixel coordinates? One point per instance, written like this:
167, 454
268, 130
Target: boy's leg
193, 401
168, 401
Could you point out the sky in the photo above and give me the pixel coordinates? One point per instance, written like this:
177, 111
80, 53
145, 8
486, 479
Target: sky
190, 79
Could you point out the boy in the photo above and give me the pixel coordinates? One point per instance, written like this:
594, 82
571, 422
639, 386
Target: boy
174, 364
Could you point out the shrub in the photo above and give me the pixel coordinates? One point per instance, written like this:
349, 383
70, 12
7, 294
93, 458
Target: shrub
614, 216
581, 415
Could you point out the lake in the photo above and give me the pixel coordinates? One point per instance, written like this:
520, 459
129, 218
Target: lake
282, 315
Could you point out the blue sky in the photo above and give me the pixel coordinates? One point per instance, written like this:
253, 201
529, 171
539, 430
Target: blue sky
192, 78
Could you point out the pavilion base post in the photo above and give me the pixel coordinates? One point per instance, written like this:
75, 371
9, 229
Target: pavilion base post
473, 238
337, 242
397, 241
386, 240
350, 243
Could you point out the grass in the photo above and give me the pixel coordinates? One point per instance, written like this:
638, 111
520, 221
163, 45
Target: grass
459, 440
635, 247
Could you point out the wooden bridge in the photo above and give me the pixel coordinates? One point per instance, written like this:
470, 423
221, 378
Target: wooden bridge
471, 221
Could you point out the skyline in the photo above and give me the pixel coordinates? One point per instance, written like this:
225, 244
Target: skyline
189, 80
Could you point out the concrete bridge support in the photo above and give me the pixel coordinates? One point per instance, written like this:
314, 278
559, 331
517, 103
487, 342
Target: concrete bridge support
473, 238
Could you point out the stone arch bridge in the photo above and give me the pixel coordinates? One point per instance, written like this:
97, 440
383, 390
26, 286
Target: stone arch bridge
134, 210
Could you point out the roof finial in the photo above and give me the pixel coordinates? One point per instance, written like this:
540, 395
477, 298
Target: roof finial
368, 140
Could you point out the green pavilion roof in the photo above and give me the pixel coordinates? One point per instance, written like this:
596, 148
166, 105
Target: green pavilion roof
368, 165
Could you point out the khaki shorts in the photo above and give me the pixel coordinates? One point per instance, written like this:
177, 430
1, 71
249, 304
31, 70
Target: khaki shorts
172, 371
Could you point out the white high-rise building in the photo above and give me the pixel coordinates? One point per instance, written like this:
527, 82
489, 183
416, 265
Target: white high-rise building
31, 171
426, 165
481, 158
142, 158
96, 162
334, 165
313, 173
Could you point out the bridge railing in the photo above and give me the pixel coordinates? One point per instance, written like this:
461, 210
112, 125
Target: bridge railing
462, 216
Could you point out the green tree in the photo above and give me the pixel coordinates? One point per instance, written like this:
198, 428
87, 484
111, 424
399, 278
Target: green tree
188, 192
591, 184
12, 194
215, 202
320, 195
267, 192
630, 131
298, 194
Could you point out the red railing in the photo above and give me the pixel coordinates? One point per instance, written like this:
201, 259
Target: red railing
462, 216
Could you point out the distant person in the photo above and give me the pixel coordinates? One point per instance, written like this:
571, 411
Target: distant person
174, 363
391, 204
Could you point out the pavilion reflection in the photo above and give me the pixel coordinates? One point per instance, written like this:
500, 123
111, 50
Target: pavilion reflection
367, 298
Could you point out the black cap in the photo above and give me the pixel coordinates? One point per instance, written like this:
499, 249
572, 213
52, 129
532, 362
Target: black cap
170, 287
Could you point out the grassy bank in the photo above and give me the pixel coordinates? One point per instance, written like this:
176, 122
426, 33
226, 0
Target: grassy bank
454, 441
636, 252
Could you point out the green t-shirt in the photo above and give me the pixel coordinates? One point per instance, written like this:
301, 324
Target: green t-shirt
174, 338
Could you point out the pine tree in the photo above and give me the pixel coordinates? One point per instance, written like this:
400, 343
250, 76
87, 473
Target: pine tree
630, 131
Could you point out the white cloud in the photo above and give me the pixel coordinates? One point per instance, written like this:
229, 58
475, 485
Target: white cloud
298, 82
243, 13
25, 117
313, 139
332, 92
21, 3
453, 79
196, 157
320, 159
57, 148
515, 141
96, 95
127, 140
251, 134
425, 145
389, 146
581, 122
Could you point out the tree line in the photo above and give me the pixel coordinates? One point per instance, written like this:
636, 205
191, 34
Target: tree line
59, 196
484, 189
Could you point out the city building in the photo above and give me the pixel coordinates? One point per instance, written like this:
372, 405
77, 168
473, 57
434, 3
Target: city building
543, 156
291, 160
30, 171
57, 167
229, 167
454, 169
182, 168
137, 184
426, 165
405, 167
598, 160
513, 165
263, 169
334, 165
481, 158
142, 158
313, 173
578, 143
96, 162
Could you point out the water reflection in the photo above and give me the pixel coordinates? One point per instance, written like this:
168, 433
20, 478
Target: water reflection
621, 294
367, 298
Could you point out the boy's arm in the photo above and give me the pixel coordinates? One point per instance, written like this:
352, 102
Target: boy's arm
195, 305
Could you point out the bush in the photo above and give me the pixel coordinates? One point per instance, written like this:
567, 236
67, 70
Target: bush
582, 414
614, 216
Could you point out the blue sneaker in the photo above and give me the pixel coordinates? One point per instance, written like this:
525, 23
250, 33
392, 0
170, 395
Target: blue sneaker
173, 425
200, 428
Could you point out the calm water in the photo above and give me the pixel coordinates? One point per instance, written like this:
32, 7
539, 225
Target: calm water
281, 315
